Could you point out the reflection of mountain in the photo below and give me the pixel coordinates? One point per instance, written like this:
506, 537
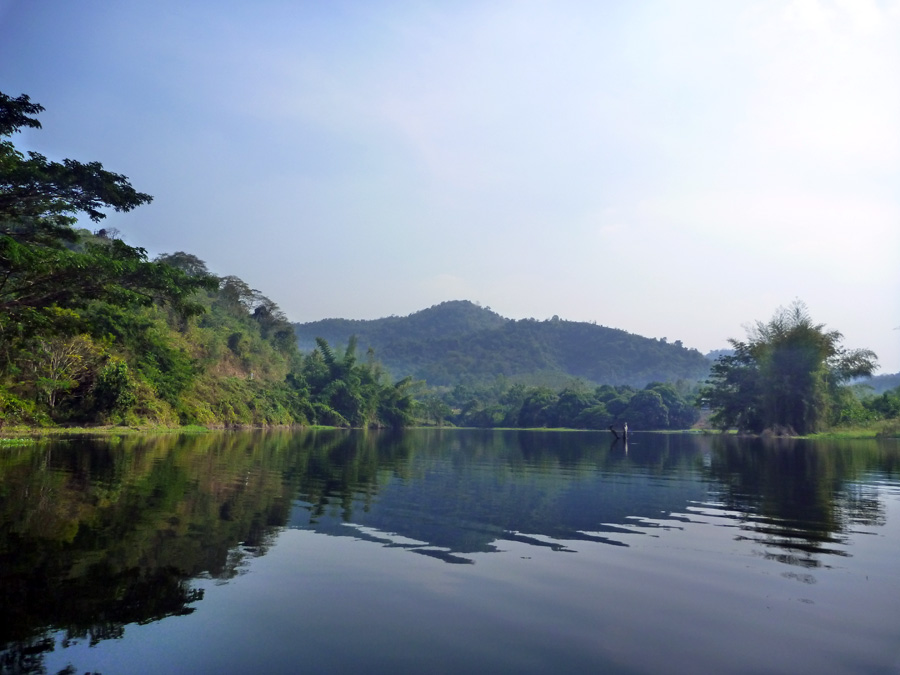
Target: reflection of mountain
541, 489
463, 492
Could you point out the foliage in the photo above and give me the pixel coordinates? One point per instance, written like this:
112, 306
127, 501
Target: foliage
658, 406
883, 407
788, 375
39, 199
114, 389
344, 392
60, 364
48, 267
15, 410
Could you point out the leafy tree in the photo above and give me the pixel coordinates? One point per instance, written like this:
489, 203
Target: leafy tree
435, 410
680, 413
344, 392
40, 199
396, 404
571, 403
789, 374
539, 408
45, 263
60, 364
186, 262
114, 388
594, 417
647, 405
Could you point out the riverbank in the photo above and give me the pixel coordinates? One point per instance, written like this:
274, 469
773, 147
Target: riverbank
13, 433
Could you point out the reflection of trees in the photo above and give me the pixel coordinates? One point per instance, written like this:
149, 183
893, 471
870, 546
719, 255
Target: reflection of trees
118, 528
341, 470
797, 498
129, 596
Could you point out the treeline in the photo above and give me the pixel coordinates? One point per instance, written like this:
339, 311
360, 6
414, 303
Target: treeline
232, 361
871, 408
655, 407
93, 332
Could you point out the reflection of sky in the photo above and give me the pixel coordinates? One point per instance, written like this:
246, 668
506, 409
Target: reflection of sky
681, 603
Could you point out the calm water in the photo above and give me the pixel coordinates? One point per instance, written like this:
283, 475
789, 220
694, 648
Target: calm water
449, 551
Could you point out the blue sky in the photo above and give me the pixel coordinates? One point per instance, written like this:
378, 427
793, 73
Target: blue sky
676, 169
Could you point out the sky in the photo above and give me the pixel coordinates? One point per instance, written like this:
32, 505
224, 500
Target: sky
676, 169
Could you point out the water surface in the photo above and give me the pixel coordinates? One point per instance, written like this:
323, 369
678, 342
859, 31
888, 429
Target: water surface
450, 551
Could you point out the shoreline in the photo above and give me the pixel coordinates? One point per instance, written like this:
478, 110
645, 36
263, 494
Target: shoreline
19, 433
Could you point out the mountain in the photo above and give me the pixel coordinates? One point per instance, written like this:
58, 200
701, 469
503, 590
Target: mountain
458, 340
881, 383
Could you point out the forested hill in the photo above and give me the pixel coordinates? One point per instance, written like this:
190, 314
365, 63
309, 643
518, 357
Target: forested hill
458, 340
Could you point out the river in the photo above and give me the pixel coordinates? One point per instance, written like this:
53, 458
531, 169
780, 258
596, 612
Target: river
449, 551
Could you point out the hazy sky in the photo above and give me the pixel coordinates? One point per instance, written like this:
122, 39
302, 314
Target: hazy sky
677, 169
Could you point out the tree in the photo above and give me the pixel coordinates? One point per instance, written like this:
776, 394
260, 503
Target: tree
186, 262
789, 374
571, 403
40, 199
539, 408
647, 406
681, 414
45, 263
60, 364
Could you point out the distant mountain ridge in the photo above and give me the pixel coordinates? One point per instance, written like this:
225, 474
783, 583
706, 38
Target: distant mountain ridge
458, 341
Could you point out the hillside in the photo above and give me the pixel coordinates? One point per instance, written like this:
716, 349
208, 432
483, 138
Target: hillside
882, 383
458, 340
93, 332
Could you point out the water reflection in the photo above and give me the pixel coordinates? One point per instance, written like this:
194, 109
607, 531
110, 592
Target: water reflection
467, 492
99, 534
799, 500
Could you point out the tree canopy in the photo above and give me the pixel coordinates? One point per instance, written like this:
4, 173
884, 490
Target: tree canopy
789, 375
47, 266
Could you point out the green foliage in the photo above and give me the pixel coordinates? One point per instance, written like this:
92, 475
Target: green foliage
145, 335
539, 409
15, 411
39, 199
344, 392
114, 389
648, 406
886, 406
788, 375
658, 406
46, 266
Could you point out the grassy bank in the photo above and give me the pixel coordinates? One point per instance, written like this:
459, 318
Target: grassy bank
13, 433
